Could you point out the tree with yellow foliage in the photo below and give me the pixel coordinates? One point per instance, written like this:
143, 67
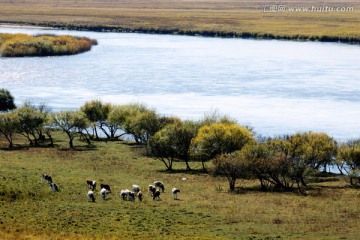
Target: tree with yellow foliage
220, 138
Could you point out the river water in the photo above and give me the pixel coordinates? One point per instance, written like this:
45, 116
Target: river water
277, 87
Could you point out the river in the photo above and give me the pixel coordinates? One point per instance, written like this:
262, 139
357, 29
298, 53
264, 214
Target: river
277, 87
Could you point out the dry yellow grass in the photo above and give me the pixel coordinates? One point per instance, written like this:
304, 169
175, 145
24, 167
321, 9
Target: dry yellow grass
236, 16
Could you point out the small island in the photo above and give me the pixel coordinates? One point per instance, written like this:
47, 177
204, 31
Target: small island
23, 45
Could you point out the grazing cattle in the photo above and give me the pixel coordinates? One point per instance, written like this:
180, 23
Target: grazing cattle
91, 196
46, 177
103, 193
156, 195
127, 195
160, 185
106, 186
54, 187
175, 191
139, 196
135, 188
151, 190
124, 194
131, 196
91, 184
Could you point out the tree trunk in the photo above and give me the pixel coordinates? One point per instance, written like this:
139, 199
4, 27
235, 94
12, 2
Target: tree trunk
303, 182
9, 139
187, 165
71, 144
203, 165
36, 142
232, 184
262, 184
87, 139
340, 169
104, 131
96, 133
51, 140
170, 164
167, 162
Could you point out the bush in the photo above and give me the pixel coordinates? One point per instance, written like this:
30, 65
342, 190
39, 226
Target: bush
6, 101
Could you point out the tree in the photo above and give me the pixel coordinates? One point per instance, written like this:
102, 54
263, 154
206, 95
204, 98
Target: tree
45, 111
160, 148
136, 120
97, 113
178, 138
232, 166
308, 150
268, 163
32, 122
143, 125
9, 124
321, 149
283, 162
348, 160
6, 100
72, 123
182, 135
220, 138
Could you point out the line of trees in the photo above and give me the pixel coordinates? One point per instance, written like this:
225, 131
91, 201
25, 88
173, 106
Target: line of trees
278, 163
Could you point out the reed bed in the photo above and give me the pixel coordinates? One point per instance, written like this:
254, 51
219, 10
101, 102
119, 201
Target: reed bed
23, 45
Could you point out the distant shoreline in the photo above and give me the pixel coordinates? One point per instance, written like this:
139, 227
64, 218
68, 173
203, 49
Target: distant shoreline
219, 34
9, 25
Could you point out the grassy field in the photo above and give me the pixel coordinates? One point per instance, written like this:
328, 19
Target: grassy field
195, 16
205, 209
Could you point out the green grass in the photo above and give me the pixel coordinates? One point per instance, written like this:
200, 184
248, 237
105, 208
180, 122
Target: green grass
242, 18
29, 210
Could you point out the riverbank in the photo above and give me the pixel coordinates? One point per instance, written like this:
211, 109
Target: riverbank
241, 19
203, 33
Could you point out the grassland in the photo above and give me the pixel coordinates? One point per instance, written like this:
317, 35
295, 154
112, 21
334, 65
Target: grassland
242, 18
29, 210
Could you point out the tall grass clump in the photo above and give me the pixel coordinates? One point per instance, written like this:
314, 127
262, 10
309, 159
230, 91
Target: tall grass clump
22, 45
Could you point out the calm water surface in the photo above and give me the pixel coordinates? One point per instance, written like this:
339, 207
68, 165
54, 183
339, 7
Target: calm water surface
277, 87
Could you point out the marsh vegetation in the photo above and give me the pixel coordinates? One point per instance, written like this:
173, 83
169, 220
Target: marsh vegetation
23, 45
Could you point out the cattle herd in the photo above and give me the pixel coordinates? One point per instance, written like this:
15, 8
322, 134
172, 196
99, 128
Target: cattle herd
154, 190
